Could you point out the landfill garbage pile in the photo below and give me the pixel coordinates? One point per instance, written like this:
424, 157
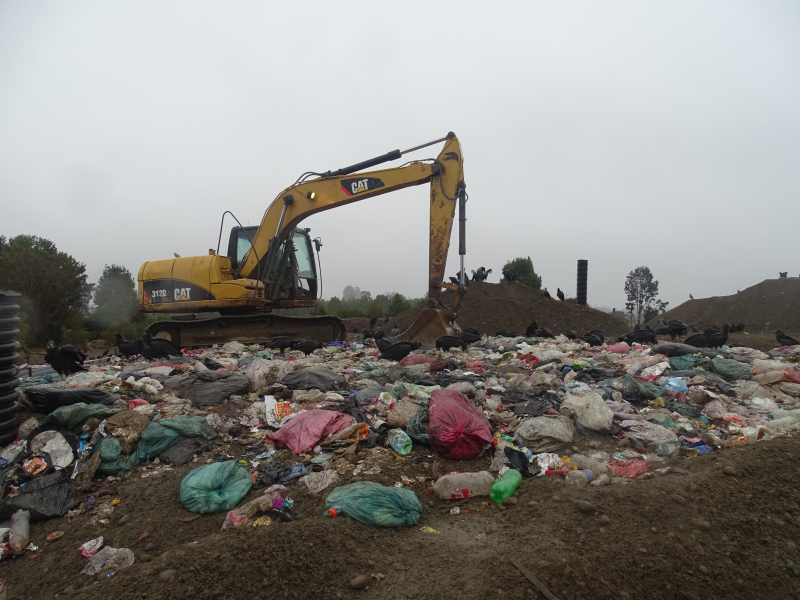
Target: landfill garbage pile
510, 410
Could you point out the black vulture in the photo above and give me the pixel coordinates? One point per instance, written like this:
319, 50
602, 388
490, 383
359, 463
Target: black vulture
592, 340
372, 322
509, 276
560, 294
399, 350
127, 348
395, 332
529, 331
504, 333
307, 347
717, 337
469, 337
661, 327
65, 360
785, 340
446, 342
677, 329
639, 336
481, 274
383, 343
698, 340
571, 334
543, 332
599, 334
282, 342
161, 348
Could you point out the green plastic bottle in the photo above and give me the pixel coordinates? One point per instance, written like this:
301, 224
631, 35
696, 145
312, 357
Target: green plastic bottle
505, 486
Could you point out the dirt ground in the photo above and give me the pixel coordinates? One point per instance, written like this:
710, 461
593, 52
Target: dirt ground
702, 534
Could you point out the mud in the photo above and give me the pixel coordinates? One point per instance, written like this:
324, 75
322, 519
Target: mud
703, 534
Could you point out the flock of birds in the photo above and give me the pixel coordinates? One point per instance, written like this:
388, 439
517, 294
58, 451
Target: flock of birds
68, 359
482, 273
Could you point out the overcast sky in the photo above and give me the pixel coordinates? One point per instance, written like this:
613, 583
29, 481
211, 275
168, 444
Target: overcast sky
664, 134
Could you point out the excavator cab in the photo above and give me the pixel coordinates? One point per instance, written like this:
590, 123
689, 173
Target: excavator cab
294, 274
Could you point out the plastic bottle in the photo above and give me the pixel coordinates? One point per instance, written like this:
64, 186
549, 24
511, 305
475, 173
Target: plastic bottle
20, 530
455, 486
334, 511
668, 448
596, 467
399, 441
579, 478
602, 480
506, 485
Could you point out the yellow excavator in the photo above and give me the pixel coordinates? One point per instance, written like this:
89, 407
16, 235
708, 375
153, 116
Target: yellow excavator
272, 266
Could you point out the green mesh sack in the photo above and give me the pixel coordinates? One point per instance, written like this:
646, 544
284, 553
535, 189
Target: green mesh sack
731, 369
374, 504
216, 487
681, 363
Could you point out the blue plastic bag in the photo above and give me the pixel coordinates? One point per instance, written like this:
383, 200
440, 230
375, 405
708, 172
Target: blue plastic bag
374, 504
674, 384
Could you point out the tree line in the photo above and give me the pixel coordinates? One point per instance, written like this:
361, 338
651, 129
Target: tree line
58, 302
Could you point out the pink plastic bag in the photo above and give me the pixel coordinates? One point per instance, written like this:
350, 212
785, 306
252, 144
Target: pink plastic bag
137, 402
622, 348
458, 430
629, 469
419, 359
304, 431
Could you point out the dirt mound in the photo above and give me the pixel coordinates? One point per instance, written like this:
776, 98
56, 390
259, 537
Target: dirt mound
511, 306
763, 308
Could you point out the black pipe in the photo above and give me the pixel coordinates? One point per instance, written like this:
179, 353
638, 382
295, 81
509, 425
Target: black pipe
583, 276
393, 155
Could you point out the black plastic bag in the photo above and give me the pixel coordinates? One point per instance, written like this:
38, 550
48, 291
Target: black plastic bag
183, 450
315, 379
45, 497
46, 400
518, 460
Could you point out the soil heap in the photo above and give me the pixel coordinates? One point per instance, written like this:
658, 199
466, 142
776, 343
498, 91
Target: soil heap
764, 307
490, 307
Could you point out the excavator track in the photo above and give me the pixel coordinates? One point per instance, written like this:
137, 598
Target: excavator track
248, 329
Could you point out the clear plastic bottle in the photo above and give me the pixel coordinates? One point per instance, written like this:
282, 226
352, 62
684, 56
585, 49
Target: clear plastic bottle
596, 467
505, 486
20, 530
581, 477
602, 480
455, 486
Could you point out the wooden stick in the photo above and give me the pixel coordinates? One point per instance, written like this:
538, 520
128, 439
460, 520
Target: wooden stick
532, 578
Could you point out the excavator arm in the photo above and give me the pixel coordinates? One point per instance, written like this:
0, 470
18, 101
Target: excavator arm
330, 190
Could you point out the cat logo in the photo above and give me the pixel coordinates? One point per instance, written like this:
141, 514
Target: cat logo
182, 294
352, 187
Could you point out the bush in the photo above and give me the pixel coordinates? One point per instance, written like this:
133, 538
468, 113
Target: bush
523, 269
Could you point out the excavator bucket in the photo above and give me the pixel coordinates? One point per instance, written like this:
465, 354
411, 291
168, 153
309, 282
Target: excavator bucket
433, 322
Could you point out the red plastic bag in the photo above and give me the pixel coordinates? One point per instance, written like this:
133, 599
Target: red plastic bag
458, 430
629, 469
476, 367
303, 432
419, 359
